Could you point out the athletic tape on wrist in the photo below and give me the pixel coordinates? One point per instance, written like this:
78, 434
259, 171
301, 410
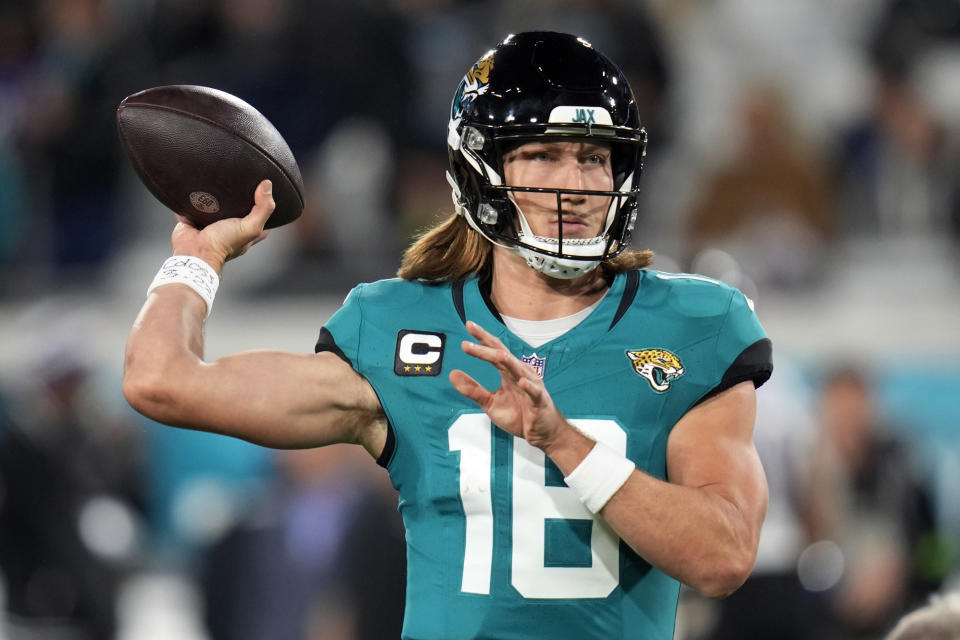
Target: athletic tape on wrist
191, 271
599, 476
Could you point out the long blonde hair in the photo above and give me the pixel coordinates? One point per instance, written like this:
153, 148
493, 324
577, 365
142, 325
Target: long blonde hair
452, 250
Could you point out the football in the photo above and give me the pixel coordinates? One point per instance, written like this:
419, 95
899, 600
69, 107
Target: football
202, 152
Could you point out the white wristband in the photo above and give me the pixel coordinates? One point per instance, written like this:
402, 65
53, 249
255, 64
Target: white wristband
599, 476
191, 271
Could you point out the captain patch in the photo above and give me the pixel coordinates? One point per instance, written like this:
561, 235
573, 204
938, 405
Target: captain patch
419, 353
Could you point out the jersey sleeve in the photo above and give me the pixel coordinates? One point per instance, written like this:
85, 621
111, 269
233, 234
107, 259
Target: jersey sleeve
341, 334
743, 344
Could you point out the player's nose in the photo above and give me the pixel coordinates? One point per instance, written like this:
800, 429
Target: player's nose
570, 176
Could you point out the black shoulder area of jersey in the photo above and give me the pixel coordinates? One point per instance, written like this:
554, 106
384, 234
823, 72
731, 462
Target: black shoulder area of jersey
457, 292
326, 343
754, 363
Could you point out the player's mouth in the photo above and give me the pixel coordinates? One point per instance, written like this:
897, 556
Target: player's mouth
573, 226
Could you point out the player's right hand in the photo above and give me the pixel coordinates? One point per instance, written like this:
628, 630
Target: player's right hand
228, 238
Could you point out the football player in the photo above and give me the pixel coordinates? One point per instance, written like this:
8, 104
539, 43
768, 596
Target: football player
569, 431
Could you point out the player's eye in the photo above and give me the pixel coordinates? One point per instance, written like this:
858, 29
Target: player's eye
595, 158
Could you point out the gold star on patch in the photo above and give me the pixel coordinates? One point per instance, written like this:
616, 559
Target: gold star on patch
406, 368
427, 368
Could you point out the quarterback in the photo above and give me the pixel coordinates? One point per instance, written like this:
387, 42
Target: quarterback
569, 431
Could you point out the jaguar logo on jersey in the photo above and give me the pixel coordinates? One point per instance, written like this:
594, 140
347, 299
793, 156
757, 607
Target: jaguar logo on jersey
419, 353
658, 366
475, 83
535, 361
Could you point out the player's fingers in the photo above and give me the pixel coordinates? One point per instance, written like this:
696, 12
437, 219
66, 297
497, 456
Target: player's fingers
263, 205
502, 359
488, 354
484, 336
469, 387
518, 369
494, 352
183, 229
534, 389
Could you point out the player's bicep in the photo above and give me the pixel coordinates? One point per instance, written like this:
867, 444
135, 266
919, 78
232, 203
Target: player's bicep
712, 448
282, 400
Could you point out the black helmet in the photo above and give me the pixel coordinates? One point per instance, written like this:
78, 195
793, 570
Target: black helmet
532, 86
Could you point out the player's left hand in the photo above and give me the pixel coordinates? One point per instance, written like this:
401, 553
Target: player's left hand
521, 406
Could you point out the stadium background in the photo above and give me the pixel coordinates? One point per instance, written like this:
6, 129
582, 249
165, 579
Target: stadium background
803, 151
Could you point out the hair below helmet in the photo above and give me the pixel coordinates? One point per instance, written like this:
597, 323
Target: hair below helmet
543, 86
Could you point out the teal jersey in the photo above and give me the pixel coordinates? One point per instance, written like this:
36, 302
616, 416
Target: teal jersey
498, 546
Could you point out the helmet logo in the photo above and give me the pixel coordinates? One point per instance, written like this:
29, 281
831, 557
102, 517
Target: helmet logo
474, 84
480, 72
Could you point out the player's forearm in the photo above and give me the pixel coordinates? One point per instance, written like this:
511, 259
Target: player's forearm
165, 342
692, 534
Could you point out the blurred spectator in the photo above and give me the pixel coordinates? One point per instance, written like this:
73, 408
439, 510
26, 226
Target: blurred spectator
69, 504
899, 164
898, 174
373, 564
336, 84
866, 508
770, 203
275, 76
352, 196
86, 58
298, 567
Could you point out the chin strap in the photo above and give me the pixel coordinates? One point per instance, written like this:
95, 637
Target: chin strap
561, 268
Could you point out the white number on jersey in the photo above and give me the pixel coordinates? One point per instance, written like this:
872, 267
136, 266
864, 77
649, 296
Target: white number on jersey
533, 504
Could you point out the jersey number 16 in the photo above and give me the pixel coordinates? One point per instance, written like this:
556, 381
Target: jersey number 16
534, 503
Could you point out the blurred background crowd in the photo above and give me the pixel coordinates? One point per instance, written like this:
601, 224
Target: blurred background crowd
802, 150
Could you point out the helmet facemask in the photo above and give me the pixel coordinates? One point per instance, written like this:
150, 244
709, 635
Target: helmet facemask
496, 214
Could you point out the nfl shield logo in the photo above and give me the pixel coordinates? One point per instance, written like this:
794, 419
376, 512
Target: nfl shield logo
535, 361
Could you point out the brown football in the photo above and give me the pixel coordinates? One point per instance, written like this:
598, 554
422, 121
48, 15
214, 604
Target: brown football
202, 152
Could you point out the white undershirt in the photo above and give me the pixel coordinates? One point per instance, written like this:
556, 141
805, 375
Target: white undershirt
538, 332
